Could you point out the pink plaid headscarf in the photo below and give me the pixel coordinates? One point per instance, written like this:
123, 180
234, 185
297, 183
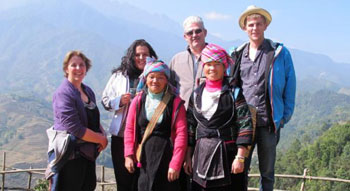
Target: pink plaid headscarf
215, 53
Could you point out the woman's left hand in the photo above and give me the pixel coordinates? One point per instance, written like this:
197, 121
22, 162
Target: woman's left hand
125, 99
104, 142
237, 167
173, 175
129, 164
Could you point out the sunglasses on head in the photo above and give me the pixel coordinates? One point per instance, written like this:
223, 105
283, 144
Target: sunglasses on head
197, 31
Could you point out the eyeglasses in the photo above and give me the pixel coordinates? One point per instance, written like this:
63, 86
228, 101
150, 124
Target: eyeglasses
197, 31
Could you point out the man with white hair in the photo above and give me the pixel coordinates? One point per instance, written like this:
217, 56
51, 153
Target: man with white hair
186, 71
185, 65
265, 71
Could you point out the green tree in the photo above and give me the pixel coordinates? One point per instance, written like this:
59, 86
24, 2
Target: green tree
42, 185
327, 156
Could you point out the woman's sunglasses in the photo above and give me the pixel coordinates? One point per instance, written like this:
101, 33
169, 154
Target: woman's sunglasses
197, 31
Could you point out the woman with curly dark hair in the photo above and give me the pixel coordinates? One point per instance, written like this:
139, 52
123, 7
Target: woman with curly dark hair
116, 98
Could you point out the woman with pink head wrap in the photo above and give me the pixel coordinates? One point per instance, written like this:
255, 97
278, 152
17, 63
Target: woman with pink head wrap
219, 125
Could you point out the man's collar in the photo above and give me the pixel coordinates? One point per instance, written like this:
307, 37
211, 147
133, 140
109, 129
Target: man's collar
264, 45
189, 49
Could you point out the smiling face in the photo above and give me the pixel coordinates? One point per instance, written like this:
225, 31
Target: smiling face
76, 70
195, 36
214, 71
255, 27
141, 52
156, 82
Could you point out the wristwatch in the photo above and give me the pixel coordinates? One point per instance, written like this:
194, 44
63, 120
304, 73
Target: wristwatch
240, 158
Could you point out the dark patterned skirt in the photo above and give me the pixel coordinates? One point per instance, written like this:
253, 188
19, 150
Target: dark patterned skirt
212, 163
156, 156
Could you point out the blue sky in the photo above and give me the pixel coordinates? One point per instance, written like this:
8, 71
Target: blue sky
318, 26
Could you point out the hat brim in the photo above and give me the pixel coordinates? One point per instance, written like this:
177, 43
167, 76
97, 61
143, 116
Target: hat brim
256, 10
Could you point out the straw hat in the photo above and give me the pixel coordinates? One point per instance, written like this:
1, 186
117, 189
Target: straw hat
252, 9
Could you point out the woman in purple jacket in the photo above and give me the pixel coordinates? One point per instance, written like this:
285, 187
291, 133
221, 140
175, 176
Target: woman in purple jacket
75, 111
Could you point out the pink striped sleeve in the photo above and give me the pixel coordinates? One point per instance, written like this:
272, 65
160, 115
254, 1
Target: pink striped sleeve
179, 136
129, 132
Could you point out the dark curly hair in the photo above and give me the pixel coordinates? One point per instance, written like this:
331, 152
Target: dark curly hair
127, 65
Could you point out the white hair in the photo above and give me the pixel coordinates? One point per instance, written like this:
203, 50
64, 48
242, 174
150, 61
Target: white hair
192, 19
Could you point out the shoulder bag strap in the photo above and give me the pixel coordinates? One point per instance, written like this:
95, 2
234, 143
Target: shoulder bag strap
149, 129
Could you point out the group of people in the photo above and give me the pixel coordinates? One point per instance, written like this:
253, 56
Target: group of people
189, 125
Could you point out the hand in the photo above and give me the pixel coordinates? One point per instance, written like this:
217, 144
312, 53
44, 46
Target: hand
125, 99
129, 164
173, 175
188, 164
237, 167
103, 143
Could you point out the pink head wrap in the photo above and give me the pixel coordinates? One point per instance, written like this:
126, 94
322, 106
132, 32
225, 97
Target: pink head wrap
214, 53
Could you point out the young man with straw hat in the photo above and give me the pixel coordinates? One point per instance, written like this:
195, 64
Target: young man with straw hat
265, 71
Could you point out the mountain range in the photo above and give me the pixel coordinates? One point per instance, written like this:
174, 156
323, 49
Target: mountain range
35, 36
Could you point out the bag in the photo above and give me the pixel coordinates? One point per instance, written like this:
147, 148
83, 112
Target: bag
152, 123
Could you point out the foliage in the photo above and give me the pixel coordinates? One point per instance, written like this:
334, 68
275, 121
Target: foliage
313, 115
6, 134
42, 185
327, 156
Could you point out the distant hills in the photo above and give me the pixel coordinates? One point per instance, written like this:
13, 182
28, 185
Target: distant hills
320, 67
315, 112
34, 38
23, 121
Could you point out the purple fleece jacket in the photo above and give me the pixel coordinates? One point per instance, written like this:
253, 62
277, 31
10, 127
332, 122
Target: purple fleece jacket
70, 114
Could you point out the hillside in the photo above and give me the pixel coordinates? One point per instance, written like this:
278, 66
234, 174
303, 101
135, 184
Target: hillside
22, 128
328, 156
320, 67
314, 113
